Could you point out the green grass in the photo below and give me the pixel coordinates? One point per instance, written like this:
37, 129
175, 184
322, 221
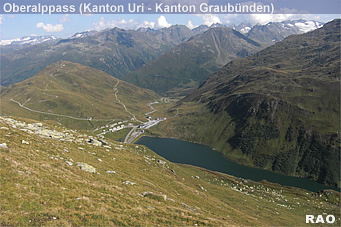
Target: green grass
118, 135
38, 190
77, 91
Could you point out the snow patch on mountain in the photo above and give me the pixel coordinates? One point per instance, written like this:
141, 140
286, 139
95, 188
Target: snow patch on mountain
308, 26
27, 40
245, 30
83, 34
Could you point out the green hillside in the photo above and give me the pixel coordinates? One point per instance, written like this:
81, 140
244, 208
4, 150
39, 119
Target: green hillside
278, 110
77, 91
52, 176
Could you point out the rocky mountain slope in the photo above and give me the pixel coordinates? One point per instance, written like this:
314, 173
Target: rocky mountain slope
278, 109
55, 176
78, 91
191, 63
273, 32
115, 51
187, 65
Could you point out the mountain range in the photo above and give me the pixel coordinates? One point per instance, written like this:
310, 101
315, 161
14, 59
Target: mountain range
117, 51
114, 51
276, 31
189, 64
27, 41
278, 109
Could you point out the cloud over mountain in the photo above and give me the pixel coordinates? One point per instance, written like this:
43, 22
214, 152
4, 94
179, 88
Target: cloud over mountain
104, 23
210, 19
162, 22
50, 27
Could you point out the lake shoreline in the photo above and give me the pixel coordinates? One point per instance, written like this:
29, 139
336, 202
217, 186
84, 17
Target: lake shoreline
270, 176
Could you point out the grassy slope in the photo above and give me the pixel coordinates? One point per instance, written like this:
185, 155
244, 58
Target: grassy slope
277, 110
71, 89
39, 188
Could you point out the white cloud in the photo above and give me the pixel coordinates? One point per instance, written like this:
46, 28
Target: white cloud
50, 27
266, 18
130, 24
101, 24
148, 24
190, 25
263, 19
162, 22
210, 19
64, 19
121, 23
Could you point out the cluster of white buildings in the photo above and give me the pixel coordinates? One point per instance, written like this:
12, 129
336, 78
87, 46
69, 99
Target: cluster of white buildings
114, 127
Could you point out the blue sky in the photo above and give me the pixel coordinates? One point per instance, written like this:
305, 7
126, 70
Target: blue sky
62, 26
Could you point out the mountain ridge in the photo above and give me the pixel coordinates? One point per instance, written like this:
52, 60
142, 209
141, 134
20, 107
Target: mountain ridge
273, 32
109, 50
277, 110
115, 51
194, 60
66, 88
27, 40
190, 63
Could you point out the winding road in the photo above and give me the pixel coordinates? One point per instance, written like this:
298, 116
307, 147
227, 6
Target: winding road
124, 106
58, 115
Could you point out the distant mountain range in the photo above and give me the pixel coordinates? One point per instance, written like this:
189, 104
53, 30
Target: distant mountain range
244, 28
189, 64
27, 40
278, 109
192, 62
114, 51
119, 52
277, 31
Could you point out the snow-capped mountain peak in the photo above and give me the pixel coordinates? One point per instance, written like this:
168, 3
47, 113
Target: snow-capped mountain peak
27, 40
243, 28
307, 26
302, 26
83, 34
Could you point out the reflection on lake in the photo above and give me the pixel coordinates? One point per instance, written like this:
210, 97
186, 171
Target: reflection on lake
202, 156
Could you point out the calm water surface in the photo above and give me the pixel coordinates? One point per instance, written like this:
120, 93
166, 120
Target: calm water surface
199, 155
